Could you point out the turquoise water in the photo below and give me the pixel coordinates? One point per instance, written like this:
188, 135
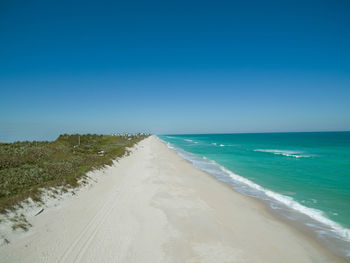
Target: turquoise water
308, 173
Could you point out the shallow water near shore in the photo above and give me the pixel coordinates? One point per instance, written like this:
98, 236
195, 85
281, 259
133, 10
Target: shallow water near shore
303, 177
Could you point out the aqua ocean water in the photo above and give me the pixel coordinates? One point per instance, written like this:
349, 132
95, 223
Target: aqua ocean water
304, 175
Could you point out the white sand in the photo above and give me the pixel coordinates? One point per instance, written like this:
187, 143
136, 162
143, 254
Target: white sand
153, 206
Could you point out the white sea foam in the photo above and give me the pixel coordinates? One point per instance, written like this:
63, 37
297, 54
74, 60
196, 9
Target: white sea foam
188, 140
223, 145
295, 154
291, 203
169, 145
212, 167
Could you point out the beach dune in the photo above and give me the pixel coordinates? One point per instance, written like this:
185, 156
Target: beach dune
154, 206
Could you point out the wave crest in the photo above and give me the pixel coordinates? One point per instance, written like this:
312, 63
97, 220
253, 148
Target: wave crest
295, 154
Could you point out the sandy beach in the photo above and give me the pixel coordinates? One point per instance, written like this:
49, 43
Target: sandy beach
154, 206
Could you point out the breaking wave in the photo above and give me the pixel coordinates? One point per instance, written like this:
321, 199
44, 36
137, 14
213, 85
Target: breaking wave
295, 154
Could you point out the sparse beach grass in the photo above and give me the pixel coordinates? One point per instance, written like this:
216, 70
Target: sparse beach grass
27, 168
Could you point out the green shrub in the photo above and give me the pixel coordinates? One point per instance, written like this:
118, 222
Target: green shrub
26, 167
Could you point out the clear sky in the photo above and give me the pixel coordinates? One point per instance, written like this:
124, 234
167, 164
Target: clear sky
173, 67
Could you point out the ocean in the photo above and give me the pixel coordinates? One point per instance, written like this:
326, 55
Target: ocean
303, 178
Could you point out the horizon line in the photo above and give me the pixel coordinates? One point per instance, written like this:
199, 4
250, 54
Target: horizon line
250, 132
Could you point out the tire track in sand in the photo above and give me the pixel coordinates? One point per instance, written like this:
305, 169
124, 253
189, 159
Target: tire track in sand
78, 247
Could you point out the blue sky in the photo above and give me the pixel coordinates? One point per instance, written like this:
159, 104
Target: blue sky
173, 67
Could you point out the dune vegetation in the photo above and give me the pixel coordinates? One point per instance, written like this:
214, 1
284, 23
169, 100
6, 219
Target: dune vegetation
27, 168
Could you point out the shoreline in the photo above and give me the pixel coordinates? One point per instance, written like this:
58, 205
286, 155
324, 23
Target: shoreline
272, 214
325, 231
154, 206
